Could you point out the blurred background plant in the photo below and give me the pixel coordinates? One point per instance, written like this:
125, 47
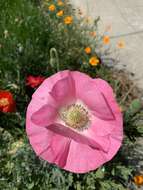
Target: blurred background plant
38, 38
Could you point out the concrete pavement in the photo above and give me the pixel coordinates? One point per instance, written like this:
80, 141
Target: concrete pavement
126, 20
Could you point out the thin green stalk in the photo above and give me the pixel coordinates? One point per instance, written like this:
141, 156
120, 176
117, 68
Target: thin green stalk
54, 59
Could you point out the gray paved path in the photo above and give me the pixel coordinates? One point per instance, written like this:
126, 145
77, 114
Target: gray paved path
126, 20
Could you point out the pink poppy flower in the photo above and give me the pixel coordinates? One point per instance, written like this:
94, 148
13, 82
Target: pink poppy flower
74, 122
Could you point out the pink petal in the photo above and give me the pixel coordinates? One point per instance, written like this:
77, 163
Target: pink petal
101, 127
63, 91
59, 152
79, 137
44, 116
114, 148
88, 92
82, 158
104, 141
48, 145
106, 89
48, 85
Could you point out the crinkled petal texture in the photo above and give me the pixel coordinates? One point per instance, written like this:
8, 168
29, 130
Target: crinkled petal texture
71, 149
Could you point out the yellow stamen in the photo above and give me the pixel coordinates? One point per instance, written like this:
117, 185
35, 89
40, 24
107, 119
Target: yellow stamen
75, 116
4, 102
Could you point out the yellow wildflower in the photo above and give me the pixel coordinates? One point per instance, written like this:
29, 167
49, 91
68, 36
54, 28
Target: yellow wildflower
52, 8
68, 20
60, 13
87, 50
94, 61
60, 3
106, 39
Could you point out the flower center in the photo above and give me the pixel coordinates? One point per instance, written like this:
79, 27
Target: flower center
75, 116
4, 102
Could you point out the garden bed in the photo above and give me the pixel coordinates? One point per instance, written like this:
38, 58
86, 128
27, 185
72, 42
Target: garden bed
37, 39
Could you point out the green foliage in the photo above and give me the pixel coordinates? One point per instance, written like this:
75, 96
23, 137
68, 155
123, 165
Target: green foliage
132, 120
21, 169
28, 32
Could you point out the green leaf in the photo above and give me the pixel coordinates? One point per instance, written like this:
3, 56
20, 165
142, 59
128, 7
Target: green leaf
31, 185
99, 173
135, 106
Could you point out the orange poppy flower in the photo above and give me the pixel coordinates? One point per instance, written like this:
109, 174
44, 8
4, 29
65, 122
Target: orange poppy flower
7, 103
94, 61
52, 8
87, 50
106, 39
68, 20
138, 179
60, 3
60, 13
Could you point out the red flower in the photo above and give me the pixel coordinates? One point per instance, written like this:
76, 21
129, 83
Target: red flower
7, 103
34, 81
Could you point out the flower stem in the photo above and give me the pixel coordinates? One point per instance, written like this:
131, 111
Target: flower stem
54, 59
